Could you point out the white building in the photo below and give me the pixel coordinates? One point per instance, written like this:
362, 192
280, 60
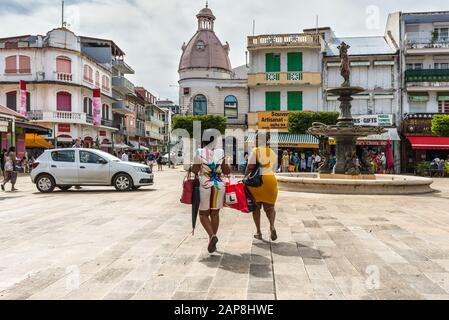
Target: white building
208, 84
423, 40
60, 79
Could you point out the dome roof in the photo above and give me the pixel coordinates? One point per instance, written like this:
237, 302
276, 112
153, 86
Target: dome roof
205, 50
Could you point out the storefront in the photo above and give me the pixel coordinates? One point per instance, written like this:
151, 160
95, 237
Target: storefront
422, 144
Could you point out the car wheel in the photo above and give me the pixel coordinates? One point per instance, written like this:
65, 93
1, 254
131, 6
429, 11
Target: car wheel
45, 183
123, 182
64, 188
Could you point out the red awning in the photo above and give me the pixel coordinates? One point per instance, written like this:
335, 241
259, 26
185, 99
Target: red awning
434, 143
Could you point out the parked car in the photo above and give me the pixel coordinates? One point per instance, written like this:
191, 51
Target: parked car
175, 158
65, 168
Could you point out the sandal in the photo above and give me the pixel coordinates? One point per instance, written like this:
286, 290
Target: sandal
258, 236
212, 244
274, 235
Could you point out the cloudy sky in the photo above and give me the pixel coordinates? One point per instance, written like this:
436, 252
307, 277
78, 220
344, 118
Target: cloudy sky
151, 32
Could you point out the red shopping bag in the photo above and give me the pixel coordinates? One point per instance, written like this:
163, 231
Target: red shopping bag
236, 197
187, 188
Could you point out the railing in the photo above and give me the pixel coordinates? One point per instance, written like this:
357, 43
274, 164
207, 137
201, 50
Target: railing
122, 130
57, 116
107, 123
122, 65
155, 135
425, 40
89, 119
61, 76
284, 40
282, 78
121, 107
140, 132
156, 121
123, 85
427, 75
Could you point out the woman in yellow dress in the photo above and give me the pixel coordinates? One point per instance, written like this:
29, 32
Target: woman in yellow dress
265, 195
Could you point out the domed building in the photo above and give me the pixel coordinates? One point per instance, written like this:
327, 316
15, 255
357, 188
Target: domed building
208, 83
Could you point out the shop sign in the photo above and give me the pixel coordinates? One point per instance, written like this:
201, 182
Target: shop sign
62, 127
418, 98
375, 120
102, 133
273, 120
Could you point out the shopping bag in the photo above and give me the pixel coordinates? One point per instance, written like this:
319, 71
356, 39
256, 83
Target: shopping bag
235, 197
187, 188
292, 168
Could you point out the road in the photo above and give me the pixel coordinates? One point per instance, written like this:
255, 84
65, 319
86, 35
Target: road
100, 244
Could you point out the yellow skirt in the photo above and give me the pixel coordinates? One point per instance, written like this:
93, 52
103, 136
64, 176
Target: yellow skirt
268, 192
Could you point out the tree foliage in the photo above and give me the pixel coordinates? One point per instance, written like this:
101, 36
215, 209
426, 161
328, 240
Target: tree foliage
300, 121
207, 122
440, 125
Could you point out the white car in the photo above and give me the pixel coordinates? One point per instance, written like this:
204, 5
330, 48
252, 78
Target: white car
65, 168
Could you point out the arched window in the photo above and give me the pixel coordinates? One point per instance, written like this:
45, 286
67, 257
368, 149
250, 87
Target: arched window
97, 79
87, 106
88, 73
105, 83
231, 109
11, 100
11, 65
17, 64
24, 64
105, 112
199, 105
64, 101
64, 68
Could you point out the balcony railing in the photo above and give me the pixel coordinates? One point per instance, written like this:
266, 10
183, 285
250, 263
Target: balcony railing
284, 40
107, 123
425, 40
154, 120
123, 85
122, 130
140, 132
427, 75
62, 76
57, 116
155, 135
284, 78
121, 107
122, 66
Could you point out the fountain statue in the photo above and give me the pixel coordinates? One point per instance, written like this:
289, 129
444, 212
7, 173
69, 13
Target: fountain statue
345, 132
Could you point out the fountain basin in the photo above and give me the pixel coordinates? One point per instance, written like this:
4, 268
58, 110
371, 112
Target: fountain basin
356, 185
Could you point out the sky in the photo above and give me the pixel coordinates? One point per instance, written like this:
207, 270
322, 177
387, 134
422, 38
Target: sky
151, 32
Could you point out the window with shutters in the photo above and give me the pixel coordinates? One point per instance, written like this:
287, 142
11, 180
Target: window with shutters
11, 100
272, 101
17, 65
87, 106
199, 105
97, 79
64, 101
294, 101
88, 73
272, 62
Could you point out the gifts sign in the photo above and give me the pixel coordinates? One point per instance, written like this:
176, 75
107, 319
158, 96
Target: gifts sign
23, 98
96, 104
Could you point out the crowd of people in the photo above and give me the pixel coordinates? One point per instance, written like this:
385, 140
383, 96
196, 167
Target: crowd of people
301, 162
439, 166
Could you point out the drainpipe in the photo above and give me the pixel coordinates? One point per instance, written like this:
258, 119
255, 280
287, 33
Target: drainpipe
13, 133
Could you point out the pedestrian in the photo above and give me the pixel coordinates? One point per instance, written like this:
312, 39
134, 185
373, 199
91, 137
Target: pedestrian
125, 156
25, 165
159, 162
303, 166
309, 162
77, 144
2, 162
10, 169
265, 195
211, 167
383, 162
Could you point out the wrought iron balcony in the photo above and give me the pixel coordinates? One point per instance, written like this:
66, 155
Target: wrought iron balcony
121, 107
123, 85
427, 75
284, 78
107, 123
122, 66
425, 40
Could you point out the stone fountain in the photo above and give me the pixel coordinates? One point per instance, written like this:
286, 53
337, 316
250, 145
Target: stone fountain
349, 177
345, 132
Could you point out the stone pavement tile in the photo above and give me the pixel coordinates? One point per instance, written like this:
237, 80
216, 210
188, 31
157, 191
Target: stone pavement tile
291, 282
118, 296
444, 263
195, 284
329, 290
259, 297
284, 268
405, 269
319, 272
352, 287
428, 267
260, 271
423, 284
227, 294
436, 297
111, 275
390, 256
441, 279
227, 279
261, 287
341, 267
189, 295
89, 291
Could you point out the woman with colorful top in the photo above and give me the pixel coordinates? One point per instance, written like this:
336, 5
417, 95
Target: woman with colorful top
265, 195
211, 167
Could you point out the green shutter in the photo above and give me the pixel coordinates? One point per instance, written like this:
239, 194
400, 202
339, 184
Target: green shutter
272, 101
294, 61
272, 62
294, 100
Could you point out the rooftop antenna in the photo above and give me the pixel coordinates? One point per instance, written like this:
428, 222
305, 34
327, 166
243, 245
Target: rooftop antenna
62, 18
317, 21
207, 4
254, 27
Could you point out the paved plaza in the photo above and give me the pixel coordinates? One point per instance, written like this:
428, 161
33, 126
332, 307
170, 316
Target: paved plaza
99, 244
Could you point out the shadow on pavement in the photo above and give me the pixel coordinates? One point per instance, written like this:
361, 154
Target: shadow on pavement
84, 191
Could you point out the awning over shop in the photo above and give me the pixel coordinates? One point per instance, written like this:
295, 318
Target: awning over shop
284, 139
380, 139
119, 146
432, 143
138, 146
33, 140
